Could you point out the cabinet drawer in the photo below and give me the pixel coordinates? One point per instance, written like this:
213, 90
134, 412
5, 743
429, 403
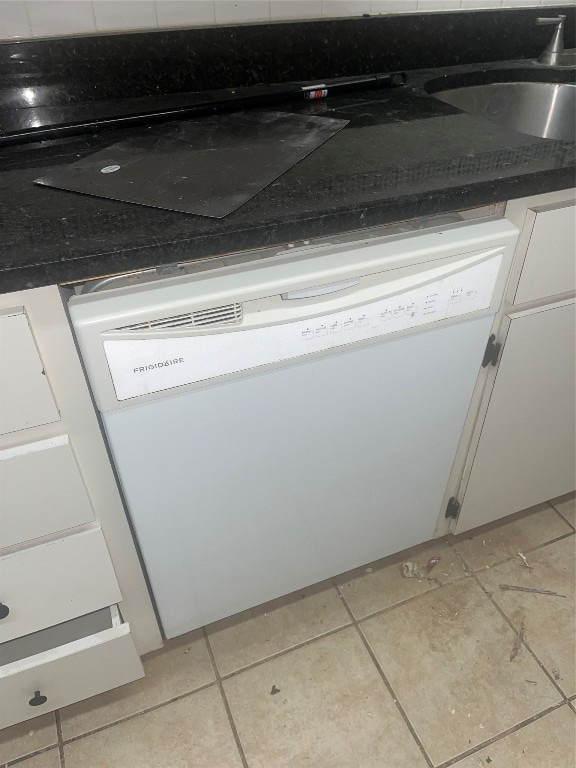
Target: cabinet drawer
65, 664
41, 491
25, 396
549, 235
54, 582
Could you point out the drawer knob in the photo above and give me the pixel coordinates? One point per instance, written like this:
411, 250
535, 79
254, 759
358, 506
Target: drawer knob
4, 611
37, 700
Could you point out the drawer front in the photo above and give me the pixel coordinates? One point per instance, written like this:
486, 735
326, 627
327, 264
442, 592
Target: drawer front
68, 673
549, 267
54, 582
41, 491
25, 396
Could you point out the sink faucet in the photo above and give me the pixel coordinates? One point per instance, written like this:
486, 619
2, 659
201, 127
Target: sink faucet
555, 48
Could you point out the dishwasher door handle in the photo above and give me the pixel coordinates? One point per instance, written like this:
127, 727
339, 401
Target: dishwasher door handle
319, 290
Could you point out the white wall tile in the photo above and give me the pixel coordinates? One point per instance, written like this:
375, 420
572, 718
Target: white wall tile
13, 20
295, 9
469, 4
394, 6
48, 18
438, 5
336, 8
241, 11
519, 3
185, 13
52, 18
119, 14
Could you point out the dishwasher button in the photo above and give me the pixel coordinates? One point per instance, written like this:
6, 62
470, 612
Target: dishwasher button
349, 325
399, 312
362, 321
335, 327
385, 316
321, 331
308, 334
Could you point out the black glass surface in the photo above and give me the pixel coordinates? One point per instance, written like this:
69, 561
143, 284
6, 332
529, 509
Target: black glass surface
209, 166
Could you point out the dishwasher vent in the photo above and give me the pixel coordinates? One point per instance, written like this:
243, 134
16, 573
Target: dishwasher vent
226, 315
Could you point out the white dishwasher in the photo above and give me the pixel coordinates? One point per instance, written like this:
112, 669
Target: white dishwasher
276, 421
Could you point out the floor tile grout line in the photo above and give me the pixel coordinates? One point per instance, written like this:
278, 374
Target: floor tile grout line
561, 515
29, 755
140, 712
225, 700
465, 574
285, 651
60, 739
507, 559
514, 728
547, 543
501, 611
407, 600
500, 736
548, 674
385, 680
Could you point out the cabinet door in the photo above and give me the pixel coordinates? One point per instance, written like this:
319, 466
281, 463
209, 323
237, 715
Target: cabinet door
549, 267
25, 396
527, 454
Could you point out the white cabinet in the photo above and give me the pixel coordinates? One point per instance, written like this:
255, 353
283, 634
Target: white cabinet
67, 558
41, 491
64, 664
55, 581
521, 446
25, 396
527, 452
549, 266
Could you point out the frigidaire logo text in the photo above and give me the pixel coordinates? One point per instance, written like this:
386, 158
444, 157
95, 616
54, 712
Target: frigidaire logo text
161, 364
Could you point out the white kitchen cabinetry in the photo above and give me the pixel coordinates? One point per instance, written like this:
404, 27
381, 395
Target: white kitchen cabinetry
67, 663
523, 448
526, 452
27, 511
67, 558
550, 262
38, 588
25, 396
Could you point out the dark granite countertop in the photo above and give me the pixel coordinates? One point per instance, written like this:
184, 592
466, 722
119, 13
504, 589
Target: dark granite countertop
403, 154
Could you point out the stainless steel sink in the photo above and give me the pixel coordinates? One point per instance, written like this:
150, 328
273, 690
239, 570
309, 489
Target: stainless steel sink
547, 110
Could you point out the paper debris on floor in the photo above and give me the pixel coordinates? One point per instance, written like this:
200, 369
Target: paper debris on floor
411, 570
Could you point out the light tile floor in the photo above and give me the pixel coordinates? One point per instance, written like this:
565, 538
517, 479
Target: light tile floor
371, 669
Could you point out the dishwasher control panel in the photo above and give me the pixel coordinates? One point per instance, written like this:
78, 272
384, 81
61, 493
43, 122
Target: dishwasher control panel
144, 366
402, 312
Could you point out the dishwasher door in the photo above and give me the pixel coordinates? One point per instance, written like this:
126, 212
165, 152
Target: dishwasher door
250, 489
276, 424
